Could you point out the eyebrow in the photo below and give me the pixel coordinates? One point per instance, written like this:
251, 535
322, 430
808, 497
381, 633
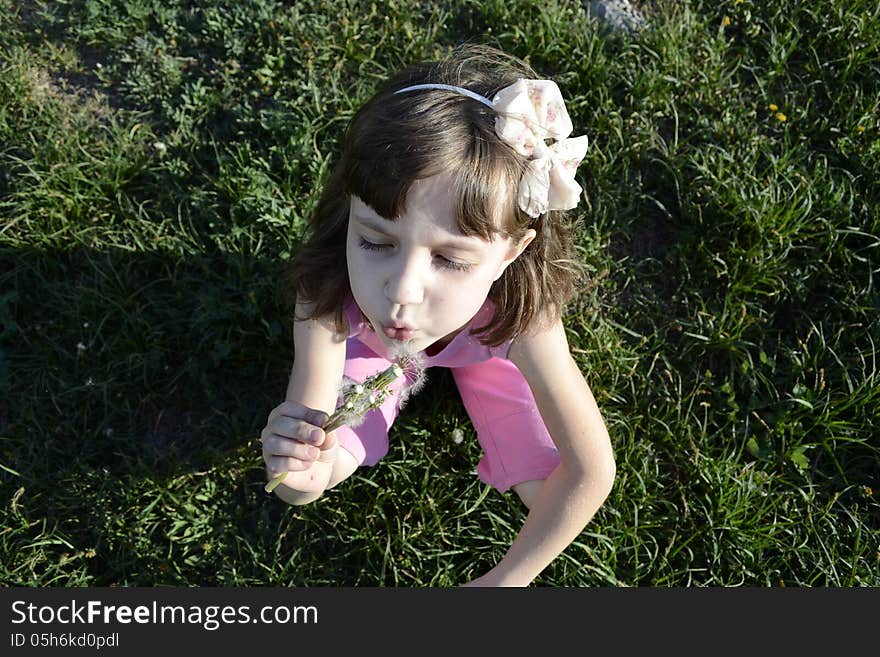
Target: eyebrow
461, 243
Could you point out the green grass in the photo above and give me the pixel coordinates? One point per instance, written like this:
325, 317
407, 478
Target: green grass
157, 163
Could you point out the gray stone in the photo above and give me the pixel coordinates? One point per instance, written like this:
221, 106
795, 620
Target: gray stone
618, 16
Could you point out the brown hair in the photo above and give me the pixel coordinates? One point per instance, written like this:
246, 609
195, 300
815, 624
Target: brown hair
394, 140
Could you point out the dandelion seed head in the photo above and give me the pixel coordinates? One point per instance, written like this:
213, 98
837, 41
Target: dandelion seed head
401, 351
457, 436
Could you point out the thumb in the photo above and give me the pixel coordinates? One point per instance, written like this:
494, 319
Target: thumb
329, 441
317, 418
297, 411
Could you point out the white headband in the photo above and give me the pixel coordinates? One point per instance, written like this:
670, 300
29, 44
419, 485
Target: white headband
448, 87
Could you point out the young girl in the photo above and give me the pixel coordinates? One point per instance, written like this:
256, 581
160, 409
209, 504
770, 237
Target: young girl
441, 230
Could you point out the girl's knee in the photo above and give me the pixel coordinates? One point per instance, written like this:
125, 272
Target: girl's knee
343, 468
296, 497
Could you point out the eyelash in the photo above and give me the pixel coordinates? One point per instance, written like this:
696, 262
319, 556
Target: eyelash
447, 264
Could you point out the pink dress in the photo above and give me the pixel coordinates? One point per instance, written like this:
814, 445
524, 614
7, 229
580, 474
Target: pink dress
516, 444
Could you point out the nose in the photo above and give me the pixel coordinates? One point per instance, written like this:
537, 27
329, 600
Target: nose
404, 286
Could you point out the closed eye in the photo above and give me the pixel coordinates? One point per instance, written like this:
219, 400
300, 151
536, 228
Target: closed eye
370, 246
444, 262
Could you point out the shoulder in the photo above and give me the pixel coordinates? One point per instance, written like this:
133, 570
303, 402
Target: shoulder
540, 348
545, 361
307, 324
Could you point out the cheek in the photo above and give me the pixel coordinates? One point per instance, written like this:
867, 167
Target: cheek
471, 292
354, 257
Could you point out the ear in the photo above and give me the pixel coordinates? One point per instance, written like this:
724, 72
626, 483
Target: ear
515, 251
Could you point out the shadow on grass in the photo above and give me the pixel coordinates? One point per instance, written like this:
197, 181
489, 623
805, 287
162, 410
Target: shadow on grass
139, 385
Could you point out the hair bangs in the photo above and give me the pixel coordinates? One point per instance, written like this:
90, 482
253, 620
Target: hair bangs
399, 141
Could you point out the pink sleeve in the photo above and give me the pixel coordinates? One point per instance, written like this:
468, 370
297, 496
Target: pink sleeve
501, 351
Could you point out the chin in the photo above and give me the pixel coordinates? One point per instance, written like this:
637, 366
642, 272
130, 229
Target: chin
411, 346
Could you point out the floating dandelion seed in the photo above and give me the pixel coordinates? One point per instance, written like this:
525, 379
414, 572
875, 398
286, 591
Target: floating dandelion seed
360, 398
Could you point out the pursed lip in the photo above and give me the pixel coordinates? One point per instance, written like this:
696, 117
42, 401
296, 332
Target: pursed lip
398, 331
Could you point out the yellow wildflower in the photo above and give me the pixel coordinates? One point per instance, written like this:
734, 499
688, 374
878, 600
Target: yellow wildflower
860, 129
773, 107
726, 21
781, 117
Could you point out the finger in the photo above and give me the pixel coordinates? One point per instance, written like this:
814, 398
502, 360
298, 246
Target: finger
280, 446
297, 430
279, 464
328, 443
299, 412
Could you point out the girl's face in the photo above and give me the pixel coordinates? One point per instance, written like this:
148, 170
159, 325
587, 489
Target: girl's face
418, 280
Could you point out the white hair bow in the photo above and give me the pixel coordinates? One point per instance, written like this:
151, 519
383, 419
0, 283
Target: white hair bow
528, 112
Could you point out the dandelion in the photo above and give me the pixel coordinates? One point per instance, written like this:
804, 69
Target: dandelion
457, 436
782, 118
773, 107
860, 129
726, 21
160, 147
358, 399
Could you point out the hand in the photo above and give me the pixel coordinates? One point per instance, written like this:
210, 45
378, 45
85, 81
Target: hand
294, 442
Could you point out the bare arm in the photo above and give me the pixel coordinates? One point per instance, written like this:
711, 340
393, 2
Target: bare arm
576, 489
319, 361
